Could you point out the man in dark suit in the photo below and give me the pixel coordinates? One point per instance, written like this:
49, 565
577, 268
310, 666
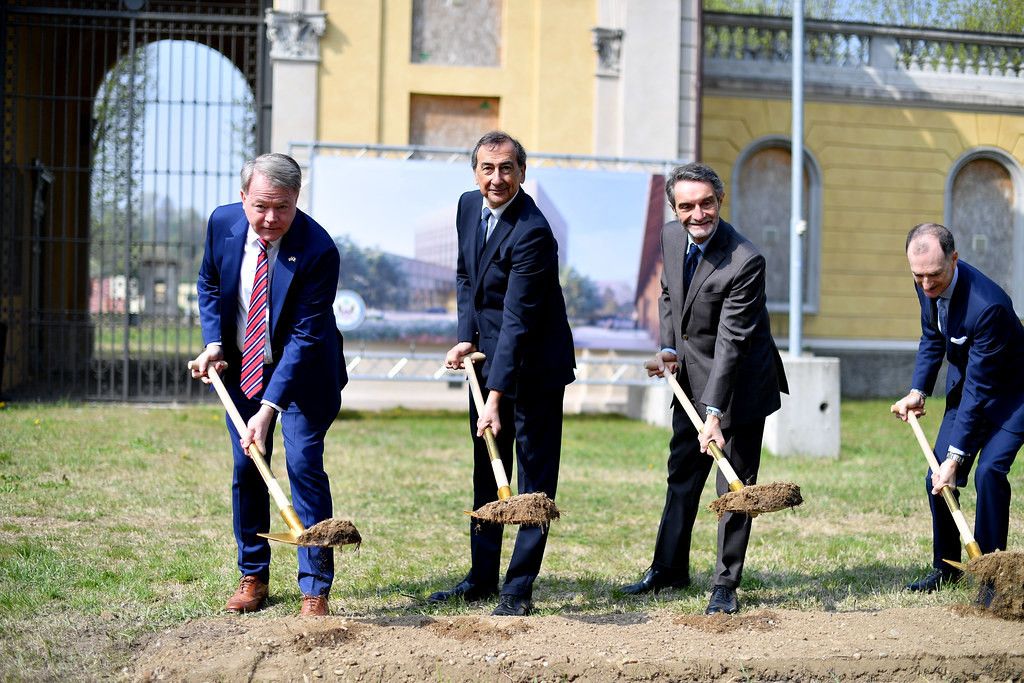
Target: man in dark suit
970, 320
266, 292
716, 339
511, 308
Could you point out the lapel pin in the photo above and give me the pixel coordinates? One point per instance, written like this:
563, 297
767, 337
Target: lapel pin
291, 259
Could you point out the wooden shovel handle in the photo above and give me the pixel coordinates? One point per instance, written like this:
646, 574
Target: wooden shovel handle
973, 549
504, 490
723, 464
287, 511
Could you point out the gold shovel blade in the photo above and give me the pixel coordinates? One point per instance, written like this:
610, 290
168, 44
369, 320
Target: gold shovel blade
288, 538
959, 565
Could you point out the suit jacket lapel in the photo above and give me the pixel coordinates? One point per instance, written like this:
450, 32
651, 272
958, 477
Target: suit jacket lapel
957, 309
499, 234
231, 272
288, 257
501, 231
471, 225
709, 262
675, 249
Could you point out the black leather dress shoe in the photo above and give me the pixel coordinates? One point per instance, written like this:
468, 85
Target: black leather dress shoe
723, 599
935, 580
654, 580
465, 590
512, 606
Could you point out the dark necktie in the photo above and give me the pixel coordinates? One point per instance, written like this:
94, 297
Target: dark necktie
481, 236
256, 328
690, 264
933, 309
943, 314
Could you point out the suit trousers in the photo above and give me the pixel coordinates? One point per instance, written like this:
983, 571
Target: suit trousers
533, 422
310, 492
992, 516
688, 470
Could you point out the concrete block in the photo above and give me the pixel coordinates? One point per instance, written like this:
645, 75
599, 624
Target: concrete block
808, 422
651, 403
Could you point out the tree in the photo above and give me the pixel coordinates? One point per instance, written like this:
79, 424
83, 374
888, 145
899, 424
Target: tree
582, 297
118, 119
374, 275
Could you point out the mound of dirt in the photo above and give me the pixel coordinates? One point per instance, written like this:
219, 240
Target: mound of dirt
1005, 572
932, 643
331, 532
758, 498
528, 509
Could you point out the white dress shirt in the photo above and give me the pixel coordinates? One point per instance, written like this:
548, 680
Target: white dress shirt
248, 274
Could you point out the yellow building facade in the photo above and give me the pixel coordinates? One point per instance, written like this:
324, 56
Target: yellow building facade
900, 127
884, 169
542, 84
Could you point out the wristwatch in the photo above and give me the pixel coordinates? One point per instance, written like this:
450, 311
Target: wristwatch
714, 411
958, 458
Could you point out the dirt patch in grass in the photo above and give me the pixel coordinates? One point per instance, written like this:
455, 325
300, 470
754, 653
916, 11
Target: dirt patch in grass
724, 623
931, 643
475, 628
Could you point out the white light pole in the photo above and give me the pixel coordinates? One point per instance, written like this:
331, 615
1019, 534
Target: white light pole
797, 224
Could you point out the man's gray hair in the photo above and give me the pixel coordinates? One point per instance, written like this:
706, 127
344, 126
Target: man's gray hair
697, 172
941, 232
280, 169
494, 139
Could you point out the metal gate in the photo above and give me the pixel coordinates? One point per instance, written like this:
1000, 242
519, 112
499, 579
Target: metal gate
125, 123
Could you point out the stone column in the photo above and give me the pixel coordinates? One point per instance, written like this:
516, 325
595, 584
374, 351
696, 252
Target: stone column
638, 77
294, 35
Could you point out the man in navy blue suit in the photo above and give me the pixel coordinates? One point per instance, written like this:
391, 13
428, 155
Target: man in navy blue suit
511, 308
970, 320
295, 365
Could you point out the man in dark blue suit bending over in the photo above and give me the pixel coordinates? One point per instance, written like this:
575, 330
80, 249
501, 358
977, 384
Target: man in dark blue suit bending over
970, 320
267, 285
511, 308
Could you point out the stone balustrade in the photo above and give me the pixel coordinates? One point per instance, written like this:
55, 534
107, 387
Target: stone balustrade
747, 54
752, 38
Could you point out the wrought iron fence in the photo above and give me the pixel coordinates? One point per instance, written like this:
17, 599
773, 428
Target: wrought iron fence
122, 130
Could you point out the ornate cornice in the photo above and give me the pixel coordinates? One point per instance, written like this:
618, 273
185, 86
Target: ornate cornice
295, 36
608, 45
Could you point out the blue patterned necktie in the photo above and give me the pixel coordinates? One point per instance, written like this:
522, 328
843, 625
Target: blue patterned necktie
481, 236
690, 264
943, 314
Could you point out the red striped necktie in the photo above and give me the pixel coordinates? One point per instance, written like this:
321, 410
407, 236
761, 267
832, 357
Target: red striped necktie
256, 327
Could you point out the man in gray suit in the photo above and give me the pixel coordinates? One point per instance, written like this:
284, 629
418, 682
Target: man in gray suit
716, 339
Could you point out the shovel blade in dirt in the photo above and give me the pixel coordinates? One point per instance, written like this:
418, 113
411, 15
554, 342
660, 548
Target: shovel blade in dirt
525, 509
751, 500
324, 534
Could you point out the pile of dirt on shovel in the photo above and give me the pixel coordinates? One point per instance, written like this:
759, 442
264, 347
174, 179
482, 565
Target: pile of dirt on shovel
330, 532
1005, 571
759, 498
528, 509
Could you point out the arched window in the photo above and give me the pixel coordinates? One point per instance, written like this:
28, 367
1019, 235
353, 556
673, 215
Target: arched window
760, 210
983, 211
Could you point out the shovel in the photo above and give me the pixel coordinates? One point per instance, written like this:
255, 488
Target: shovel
329, 532
973, 549
751, 500
528, 509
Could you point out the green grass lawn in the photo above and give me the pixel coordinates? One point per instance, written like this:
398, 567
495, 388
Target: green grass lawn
115, 522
